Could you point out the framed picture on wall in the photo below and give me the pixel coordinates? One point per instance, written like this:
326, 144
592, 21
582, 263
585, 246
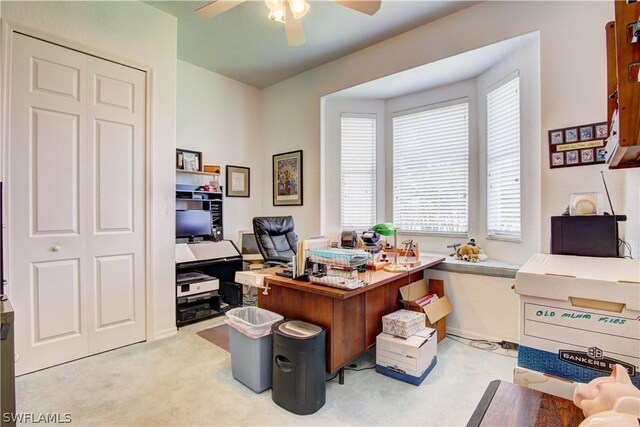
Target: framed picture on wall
238, 184
287, 179
578, 145
188, 160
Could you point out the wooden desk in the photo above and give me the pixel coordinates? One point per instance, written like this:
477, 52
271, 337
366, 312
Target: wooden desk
506, 404
350, 317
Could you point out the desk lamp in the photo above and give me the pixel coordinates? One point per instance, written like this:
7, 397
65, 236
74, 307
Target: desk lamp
389, 229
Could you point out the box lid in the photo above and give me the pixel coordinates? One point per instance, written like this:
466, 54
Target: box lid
416, 340
414, 291
404, 317
563, 276
438, 309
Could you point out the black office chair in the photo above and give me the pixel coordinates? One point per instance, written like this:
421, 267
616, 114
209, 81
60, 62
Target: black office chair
277, 241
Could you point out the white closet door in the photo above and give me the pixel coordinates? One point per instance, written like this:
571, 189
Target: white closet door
116, 204
76, 230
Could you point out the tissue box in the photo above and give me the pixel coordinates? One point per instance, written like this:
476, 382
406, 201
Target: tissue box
403, 323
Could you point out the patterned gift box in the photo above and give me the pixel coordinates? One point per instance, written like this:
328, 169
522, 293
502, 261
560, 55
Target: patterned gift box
403, 323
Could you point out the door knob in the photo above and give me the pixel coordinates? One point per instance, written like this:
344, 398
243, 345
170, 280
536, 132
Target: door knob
55, 248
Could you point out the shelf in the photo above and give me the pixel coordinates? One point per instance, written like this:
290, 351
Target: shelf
196, 172
623, 91
197, 319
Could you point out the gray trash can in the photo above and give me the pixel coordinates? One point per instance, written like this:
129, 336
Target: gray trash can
299, 365
251, 346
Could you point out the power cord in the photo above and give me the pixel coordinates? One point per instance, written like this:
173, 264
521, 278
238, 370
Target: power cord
626, 245
486, 345
352, 367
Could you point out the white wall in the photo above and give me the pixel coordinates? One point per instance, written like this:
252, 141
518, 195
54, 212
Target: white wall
631, 208
141, 34
330, 146
569, 33
220, 117
484, 307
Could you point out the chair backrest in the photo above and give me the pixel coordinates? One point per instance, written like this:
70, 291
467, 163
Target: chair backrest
275, 236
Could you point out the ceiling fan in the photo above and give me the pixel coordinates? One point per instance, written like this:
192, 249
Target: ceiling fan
288, 12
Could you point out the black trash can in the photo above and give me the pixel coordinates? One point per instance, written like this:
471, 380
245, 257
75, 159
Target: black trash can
299, 379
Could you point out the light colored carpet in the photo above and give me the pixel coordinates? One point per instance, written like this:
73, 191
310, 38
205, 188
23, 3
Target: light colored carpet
185, 380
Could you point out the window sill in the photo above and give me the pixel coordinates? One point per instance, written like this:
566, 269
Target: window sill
426, 233
504, 239
488, 267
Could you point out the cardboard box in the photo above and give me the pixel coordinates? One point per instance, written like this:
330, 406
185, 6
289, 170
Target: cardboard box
412, 355
435, 312
545, 383
408, 360
579, 316
403, 323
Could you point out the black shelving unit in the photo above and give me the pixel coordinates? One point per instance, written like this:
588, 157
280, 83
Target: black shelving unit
209, 201
209, 303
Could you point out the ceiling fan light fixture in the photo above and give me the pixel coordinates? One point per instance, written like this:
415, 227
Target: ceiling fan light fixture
277, 13
299, 8
273, 4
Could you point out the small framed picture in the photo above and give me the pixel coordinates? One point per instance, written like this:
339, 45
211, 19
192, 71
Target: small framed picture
586, 133
187, 160
238, 181
587, 155
557, 159
601, 154
556, 137
572, 157
571, 135
601, 131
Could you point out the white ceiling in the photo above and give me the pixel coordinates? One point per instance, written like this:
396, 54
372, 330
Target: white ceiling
246, 46
447, 71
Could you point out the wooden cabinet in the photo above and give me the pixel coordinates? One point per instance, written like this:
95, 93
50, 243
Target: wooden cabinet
623, 85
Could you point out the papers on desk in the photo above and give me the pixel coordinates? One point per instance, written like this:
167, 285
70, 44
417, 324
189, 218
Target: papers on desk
338, 257
303, 247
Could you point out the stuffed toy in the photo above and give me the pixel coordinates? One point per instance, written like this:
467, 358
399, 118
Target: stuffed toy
470, 252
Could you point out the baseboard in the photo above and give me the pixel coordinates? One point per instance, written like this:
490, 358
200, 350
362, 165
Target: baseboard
477, 336
167, 333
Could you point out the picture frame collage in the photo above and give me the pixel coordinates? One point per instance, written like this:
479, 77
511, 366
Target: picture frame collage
578, 145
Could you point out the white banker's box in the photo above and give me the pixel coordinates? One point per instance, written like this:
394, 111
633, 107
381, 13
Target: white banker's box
409, 359
579, 316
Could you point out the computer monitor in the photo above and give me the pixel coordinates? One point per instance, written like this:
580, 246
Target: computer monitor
192, 224
248, 246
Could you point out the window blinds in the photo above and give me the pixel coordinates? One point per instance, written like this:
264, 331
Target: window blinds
431, 168
357, 171
503, 161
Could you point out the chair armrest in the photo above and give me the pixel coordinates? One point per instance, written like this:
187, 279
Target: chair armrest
278, 261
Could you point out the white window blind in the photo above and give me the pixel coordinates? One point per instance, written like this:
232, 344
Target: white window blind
503, 161
358, 171
431, 168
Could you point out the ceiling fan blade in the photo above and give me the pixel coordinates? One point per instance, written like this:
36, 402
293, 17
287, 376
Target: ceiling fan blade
370, 7
293, 29
217, 7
